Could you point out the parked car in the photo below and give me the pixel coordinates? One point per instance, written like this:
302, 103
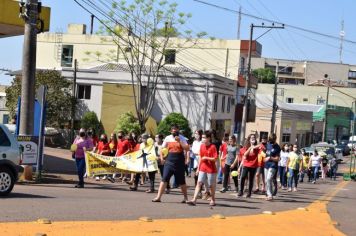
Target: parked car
328, 150
343, 148
10, 160
352, 142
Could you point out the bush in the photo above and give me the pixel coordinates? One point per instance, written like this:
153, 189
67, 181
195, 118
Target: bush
127, 123
90, 120
164, 126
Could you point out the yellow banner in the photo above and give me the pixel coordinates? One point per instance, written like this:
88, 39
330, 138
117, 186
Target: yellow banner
144, 160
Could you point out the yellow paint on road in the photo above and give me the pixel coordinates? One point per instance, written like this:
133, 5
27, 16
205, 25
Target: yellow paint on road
314, 221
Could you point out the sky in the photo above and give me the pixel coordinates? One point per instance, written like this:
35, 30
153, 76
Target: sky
323, 16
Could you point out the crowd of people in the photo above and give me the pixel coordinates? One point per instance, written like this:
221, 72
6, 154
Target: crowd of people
252, 168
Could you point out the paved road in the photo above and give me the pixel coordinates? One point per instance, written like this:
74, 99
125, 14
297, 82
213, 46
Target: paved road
56, 199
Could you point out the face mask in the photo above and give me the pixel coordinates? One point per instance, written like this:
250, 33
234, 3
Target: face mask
90, 133
102, 139
175, 134
286, 149
82, 134
120, 136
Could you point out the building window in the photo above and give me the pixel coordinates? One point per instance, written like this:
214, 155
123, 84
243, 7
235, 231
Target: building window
305, 99
67, 56
223, 104
84, 92
289, 100
5, 119
263, 133
170, 56
216, 99
228, 105
352, 74
285, 138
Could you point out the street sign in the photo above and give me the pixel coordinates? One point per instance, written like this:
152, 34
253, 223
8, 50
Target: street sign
29, 145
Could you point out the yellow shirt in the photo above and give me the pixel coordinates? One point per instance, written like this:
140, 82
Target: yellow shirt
294, 160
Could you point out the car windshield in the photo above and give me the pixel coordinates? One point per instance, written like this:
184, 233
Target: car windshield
327, 150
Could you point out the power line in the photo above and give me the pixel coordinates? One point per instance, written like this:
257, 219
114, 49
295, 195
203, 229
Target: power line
274, 21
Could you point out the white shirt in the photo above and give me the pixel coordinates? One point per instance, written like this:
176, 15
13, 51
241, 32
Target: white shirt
315, 160
284, 158
196, 147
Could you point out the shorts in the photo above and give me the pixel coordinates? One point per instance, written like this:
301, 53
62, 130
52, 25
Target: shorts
260, 170
176, 171
208, 178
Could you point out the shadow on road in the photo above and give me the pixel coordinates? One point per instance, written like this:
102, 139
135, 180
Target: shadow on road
57, 165
25, 195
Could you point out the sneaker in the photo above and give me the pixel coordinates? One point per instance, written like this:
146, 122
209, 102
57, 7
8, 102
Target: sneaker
289, 189
295, 189
223, 190
313, 182
97, 178
79, 186
219, 182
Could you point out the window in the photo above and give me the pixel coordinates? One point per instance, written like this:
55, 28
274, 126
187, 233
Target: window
170, 56
5, 119
223, 104
4, 140
242, 65
352, 74
305, 99
228, 104
216, 99
84, 92
289, 100
67, 56
285, 138
263, 133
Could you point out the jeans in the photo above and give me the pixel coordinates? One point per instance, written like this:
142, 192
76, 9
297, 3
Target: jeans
80, 163
269, 174
293, 175
251, 176
227, 175
282, 175
220, 175
315, 171
191, 166
333, 171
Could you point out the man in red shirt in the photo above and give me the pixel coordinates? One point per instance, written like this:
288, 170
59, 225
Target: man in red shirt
207, 168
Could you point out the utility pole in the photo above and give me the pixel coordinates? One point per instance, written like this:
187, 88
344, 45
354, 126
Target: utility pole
248, 75
226, 61
74, 99
274, 107
342, 35
239, 24
28, 68
326, 111
206, 104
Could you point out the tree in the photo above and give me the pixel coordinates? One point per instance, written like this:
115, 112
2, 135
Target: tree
164, 126
264, 75
142, 31
58, 98
127, 123
90, 120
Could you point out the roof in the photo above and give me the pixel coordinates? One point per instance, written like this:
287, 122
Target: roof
266, 101
146, 68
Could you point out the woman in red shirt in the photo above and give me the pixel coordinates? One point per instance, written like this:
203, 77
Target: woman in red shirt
249, 155
207, 168
103, 146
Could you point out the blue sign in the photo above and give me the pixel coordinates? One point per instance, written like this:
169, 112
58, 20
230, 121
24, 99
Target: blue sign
36, 121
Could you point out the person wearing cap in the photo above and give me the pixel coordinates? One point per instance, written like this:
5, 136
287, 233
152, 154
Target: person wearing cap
83, 144
174, 163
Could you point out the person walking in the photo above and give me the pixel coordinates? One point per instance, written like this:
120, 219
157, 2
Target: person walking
160, 163
207, 169
231, 164
324, 167
174, 163
333, 167
83, 144
250, 163
294, 164
273, 151
314, 164
282, 166
260, 172
305, 169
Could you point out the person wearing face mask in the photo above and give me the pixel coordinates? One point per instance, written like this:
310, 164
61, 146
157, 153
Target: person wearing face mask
174, 163
305, 162
207, 169
260, 172
94, 138
196, 153
231, 164
83, 144
158, 150
123, 147
282, 166
273, 151
102, 148
250, 163
294, 164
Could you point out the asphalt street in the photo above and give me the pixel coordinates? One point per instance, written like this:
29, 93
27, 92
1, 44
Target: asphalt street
58, 200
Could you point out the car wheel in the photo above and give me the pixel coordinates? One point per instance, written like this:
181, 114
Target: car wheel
7, 181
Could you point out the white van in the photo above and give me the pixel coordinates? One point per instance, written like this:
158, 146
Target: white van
10, 160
